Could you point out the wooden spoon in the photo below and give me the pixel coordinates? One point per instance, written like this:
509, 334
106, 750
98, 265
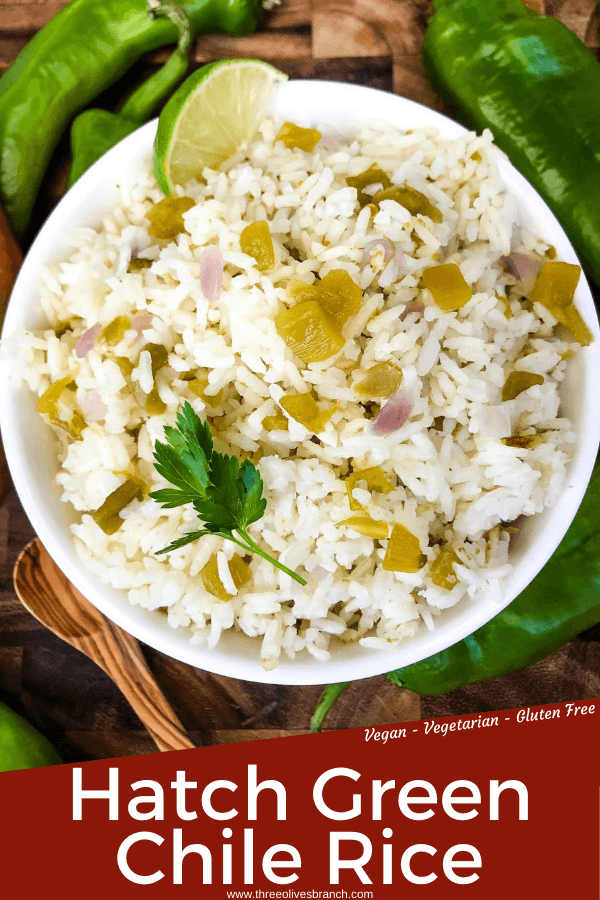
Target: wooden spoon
56, 603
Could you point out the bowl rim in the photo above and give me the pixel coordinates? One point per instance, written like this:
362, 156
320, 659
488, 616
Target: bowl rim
303, 670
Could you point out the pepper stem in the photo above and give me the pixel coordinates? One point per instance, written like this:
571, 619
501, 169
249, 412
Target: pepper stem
144, 102
395, 679
326, 701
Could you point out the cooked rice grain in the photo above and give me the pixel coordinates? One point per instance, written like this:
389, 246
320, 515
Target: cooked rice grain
454, 480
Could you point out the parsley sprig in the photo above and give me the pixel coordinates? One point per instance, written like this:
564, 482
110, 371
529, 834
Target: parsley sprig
227, 496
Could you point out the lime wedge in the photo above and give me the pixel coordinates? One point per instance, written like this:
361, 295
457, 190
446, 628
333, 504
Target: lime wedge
214, 113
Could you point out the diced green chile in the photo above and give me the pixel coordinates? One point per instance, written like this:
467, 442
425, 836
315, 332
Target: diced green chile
107, 516
95, 131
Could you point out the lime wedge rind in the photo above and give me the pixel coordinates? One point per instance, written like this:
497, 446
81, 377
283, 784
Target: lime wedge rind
214, 113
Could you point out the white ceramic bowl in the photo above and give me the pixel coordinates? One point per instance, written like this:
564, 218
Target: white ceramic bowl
30, 448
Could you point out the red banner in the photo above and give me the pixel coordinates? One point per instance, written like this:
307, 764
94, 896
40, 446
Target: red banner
487, 806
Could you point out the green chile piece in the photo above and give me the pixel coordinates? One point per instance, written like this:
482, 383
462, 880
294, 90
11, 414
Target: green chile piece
107, 516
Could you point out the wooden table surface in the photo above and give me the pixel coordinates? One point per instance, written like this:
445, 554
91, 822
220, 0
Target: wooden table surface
371, 42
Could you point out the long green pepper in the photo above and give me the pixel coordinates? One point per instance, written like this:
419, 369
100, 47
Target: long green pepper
82, 50
95, 131
530, 80
561, 602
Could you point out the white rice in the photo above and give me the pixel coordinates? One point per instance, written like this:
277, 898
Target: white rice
454, 479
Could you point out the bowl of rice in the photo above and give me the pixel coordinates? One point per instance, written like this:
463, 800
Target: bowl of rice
406, 351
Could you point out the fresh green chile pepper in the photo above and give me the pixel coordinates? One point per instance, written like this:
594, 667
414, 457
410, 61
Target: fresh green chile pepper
95, 131
561, 602
21, 745
82, 50
530, 80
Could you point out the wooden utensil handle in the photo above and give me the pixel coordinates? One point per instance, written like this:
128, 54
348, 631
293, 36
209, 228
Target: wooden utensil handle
120, 656
49, 595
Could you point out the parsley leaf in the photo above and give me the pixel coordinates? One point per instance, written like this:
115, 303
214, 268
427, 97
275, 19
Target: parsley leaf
226, 496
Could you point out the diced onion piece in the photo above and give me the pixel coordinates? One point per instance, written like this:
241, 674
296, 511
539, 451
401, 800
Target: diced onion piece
393, 414
374, 250
386, 259
403, 552
412, 306
87, 341
400, 263
368, 526
329, 142
447, 285
140, 323
211, 273
93, 406
523, 268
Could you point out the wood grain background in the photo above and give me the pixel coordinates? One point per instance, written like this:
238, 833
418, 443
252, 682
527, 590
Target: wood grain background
371, 42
